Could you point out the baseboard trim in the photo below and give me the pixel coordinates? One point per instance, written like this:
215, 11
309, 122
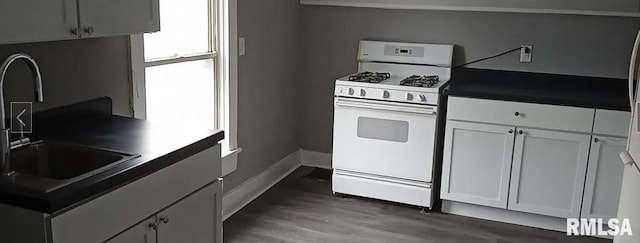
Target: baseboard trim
251, 189
315, 159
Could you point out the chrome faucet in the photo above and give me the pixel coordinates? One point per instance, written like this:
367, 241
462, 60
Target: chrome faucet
5, 143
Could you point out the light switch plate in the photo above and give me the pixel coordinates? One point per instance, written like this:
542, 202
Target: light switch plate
241, 46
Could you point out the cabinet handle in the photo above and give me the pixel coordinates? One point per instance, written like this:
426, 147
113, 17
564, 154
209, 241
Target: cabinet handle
75, 32
520, 132
164, 219
596, 140
510, 130
88, 30
153, 225
517, 113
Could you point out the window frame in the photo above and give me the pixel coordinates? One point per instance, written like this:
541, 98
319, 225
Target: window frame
223, 49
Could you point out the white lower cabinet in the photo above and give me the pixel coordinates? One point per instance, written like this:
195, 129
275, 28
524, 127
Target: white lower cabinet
604, 178
532, 164
143, 232
181, 202
477, 163
194, 219
548, 172
190, 186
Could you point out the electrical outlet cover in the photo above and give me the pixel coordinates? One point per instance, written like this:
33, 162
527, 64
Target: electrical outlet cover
524, 56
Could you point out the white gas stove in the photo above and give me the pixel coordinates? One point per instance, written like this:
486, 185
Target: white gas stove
385, 121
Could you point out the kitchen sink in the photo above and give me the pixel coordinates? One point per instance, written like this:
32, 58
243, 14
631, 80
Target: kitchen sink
48, 164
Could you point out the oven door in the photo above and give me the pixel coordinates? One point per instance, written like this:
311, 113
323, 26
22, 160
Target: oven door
384, 138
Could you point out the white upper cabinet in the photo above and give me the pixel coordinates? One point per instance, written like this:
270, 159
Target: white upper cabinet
118, 17
477, 163
47, 20
548, 172
37, 20
583, 7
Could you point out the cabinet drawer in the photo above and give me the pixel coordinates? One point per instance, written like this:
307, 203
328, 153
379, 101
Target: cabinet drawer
521, 114
613, 123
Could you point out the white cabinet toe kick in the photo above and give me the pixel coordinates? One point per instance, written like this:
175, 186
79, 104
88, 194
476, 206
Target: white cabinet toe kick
410, 192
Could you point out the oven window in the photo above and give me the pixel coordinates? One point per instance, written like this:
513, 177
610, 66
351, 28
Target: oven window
383, 129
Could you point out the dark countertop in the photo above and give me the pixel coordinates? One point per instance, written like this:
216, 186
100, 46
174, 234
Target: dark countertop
567, 90
92, 124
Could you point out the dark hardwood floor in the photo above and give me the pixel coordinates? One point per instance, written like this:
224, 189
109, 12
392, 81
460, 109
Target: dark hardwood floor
301, 208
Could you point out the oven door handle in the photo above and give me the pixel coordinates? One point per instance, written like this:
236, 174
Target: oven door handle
385, 106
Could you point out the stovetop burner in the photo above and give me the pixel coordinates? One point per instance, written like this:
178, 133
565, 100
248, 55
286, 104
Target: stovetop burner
420, 81
369, 77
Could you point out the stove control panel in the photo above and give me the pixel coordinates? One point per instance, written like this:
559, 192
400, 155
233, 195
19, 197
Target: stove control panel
387, 95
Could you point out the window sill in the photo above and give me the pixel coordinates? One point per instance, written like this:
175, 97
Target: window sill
230, 161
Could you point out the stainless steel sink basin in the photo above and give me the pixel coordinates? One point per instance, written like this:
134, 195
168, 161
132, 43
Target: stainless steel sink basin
47, 165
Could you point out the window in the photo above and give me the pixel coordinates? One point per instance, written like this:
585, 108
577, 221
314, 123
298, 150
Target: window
180, 65
186, 74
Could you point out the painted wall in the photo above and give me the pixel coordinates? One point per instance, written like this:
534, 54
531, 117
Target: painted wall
563, 44
267, 85
72, 71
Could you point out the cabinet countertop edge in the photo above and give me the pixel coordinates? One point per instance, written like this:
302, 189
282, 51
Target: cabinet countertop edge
539, 88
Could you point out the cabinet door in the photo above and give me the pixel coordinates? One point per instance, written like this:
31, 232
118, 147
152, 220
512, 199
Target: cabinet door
477, 163
118, 17
143, 232
604, 178
195, 219
37, 20
548, 172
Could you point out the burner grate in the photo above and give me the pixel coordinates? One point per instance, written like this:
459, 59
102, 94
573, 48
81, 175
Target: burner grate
420, 81
370, 77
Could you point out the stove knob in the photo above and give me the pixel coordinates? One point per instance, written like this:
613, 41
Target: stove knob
423, 98
351, 91
385, 94
363, 92
409, 96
